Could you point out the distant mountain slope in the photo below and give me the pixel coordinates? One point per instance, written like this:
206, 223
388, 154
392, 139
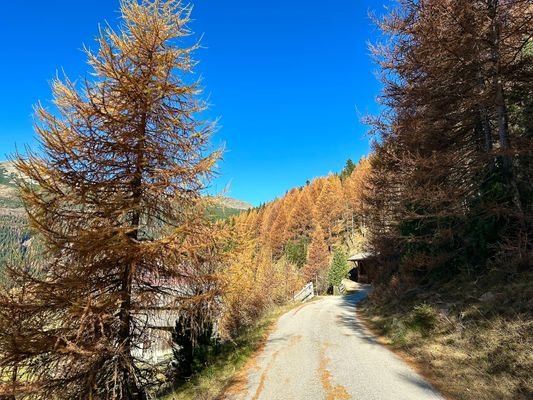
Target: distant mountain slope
13, 231
235, 204
8, 173
9, 202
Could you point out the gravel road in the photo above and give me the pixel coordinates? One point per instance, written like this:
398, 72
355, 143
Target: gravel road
321, 351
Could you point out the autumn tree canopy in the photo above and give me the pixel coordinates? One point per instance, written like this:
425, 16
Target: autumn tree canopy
296, 234
453, 155
115, 194
316, 267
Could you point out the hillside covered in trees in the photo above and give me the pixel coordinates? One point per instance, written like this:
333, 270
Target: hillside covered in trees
14, 235
281, 245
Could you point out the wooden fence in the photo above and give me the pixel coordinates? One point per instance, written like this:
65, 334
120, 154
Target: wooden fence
306, 293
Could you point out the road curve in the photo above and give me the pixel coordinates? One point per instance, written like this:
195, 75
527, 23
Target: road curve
321, 351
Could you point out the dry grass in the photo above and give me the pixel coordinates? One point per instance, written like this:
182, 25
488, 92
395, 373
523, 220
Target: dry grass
470, 349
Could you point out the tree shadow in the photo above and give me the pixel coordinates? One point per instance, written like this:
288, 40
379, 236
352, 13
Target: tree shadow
414, 379
348, 318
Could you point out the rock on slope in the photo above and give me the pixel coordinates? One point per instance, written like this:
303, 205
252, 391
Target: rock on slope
235, 204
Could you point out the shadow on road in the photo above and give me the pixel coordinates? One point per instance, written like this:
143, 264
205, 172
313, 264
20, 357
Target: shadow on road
348, 317
418, 381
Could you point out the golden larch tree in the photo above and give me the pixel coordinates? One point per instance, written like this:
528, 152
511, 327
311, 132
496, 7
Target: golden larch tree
270, 214
278, 231
315, 188
244, 295
115, 195
330, 206
316, 268
354, 188
300, 222
256, 220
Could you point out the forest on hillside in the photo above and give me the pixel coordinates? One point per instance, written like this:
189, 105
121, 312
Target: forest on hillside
286, 243
13, 232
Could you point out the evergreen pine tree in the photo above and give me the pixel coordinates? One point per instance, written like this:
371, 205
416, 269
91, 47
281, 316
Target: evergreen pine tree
347, 170
315, 269
338, 269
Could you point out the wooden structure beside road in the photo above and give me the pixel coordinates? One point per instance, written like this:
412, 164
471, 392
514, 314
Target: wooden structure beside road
308, 292
362, 270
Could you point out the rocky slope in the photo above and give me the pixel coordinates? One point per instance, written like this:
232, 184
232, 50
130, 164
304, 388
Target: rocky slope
9, 202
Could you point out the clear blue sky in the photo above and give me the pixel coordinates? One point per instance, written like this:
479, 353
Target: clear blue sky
289, 80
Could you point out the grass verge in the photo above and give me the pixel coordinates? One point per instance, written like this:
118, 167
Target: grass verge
473, 340
212, 381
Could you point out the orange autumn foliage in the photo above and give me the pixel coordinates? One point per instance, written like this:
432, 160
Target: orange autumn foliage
306, 222
315, 270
